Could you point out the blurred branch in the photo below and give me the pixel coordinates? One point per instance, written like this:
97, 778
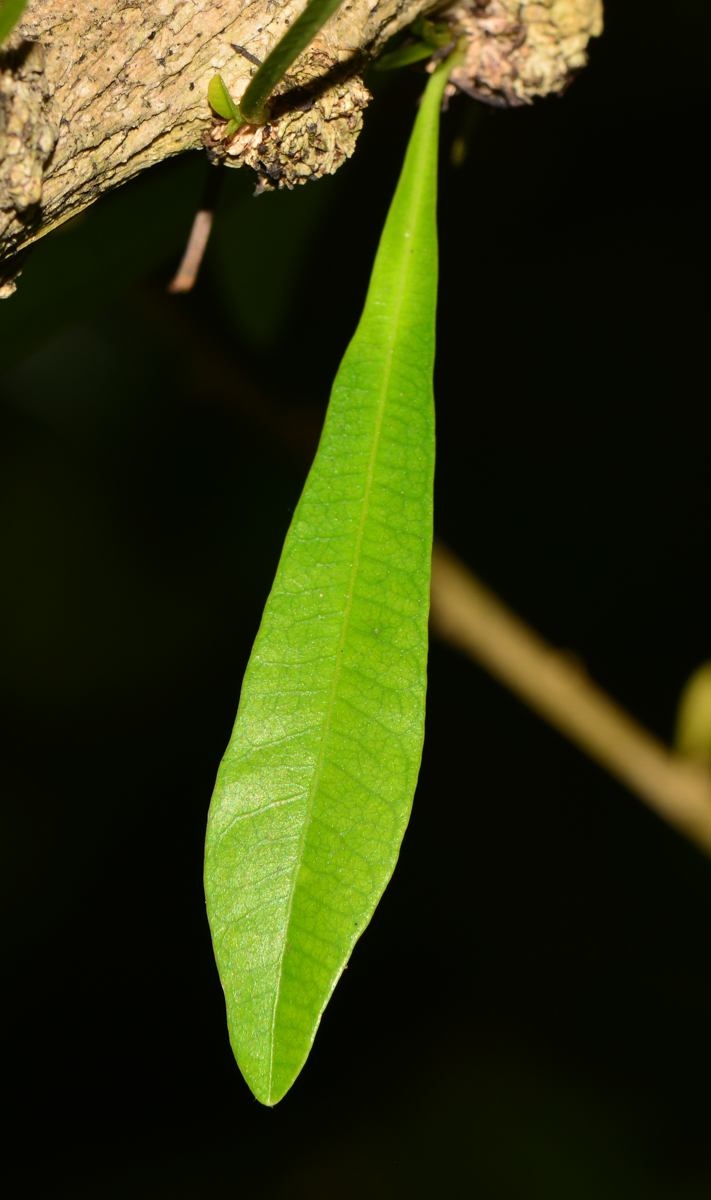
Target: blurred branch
218, 378
470, 617
187, 273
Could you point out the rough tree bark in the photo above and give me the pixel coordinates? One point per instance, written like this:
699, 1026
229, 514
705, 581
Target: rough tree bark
94, 91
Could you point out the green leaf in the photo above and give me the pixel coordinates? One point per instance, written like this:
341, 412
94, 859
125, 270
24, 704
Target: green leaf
287, 49
403, 57
435, 33
10, 13
219, 99
693, 721
314, 793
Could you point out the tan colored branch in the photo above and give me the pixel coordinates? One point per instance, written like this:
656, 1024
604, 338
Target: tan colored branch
117, 86
94, 91
470, 617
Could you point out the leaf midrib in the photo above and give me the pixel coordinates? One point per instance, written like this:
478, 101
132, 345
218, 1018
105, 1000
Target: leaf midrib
392, 339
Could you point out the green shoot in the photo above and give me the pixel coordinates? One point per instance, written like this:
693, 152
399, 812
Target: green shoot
314, 793
434, 35
220, 100
253, 107
403, 57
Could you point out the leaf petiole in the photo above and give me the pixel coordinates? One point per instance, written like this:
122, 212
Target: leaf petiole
253, 105
253, 108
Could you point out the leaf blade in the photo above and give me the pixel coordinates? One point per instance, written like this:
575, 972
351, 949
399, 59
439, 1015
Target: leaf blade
315, 790
10, 13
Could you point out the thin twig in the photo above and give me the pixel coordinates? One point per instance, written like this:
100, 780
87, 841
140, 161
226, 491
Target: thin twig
187, 273
470, 617
185, 277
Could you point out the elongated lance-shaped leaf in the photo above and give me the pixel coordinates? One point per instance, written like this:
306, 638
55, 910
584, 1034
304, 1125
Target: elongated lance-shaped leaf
10, 13
314, 793
276, 64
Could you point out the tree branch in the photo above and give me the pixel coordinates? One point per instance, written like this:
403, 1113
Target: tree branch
94, 91
473, 619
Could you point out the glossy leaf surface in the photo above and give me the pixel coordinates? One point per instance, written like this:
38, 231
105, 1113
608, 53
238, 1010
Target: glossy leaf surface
314, 793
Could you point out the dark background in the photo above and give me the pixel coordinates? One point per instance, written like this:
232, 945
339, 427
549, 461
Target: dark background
528, 1016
